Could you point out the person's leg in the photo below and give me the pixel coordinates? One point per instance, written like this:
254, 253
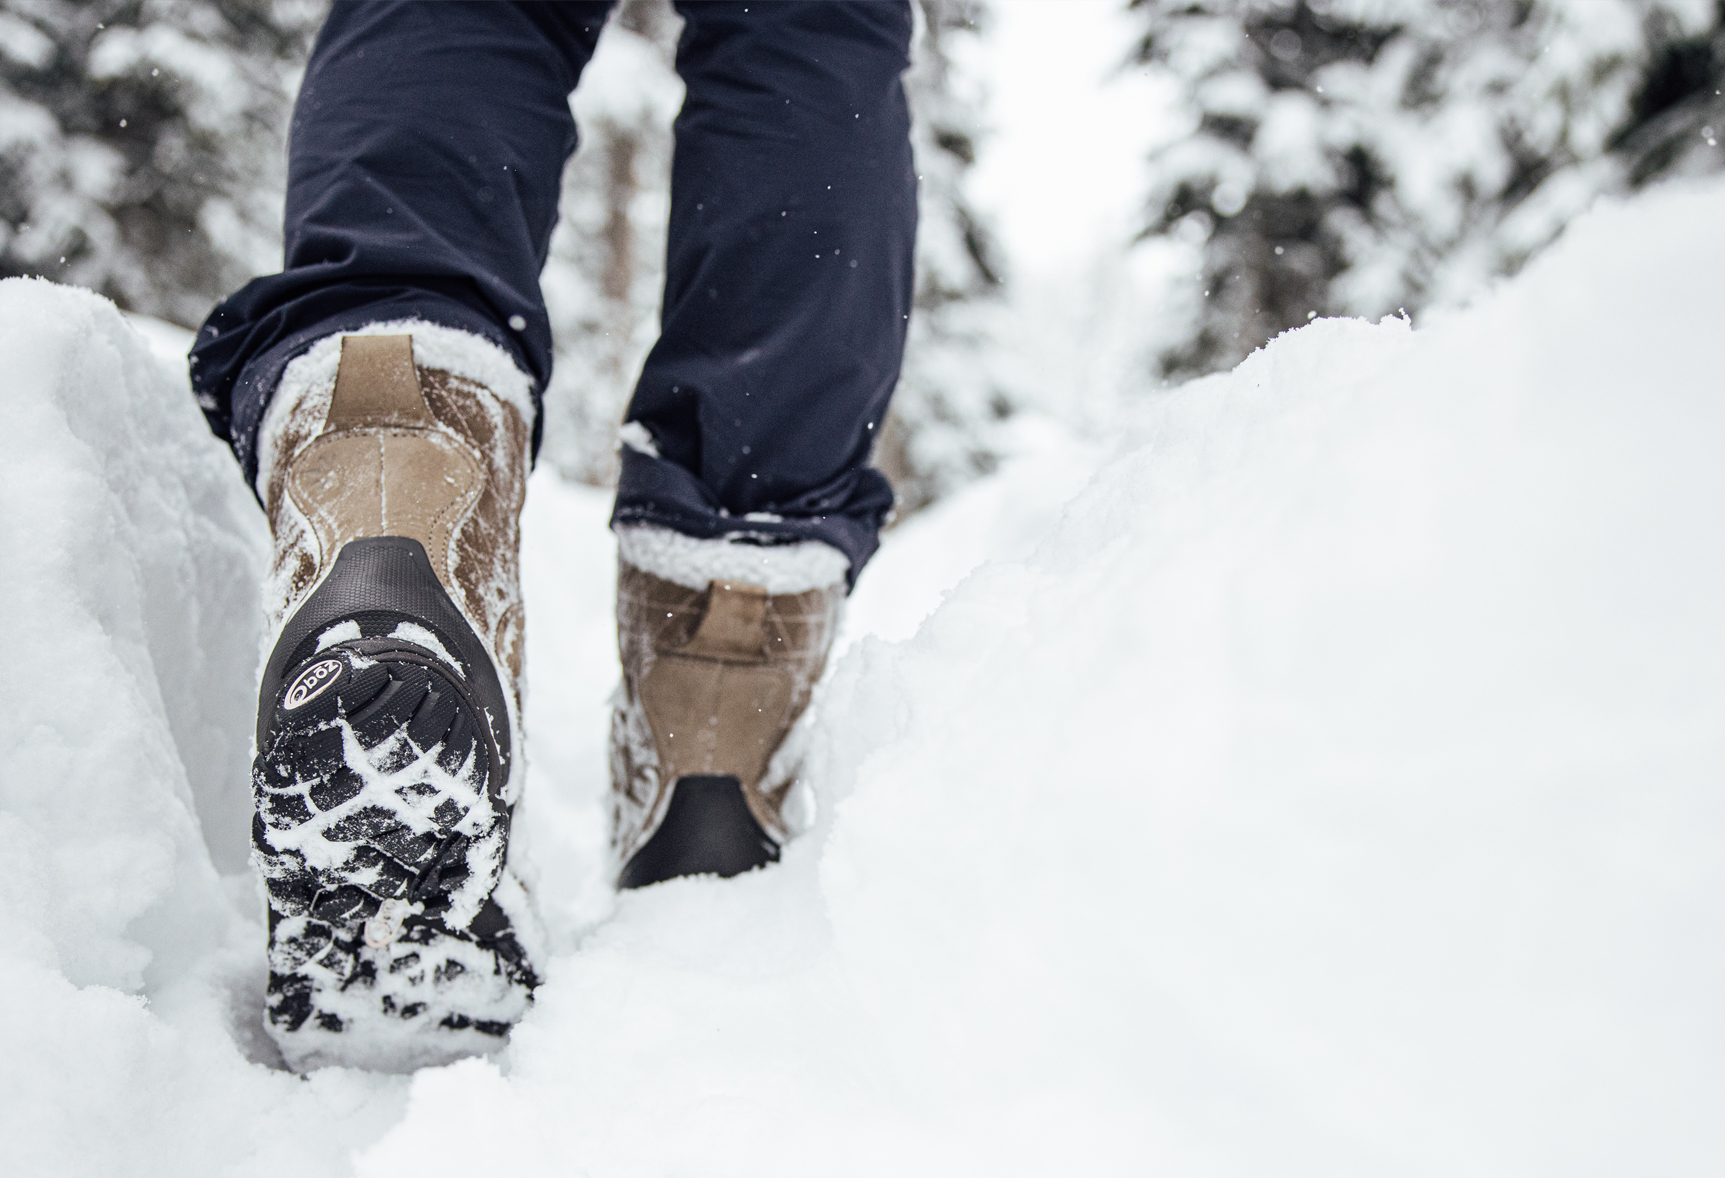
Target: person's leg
380, 395
745, 505
788, 279
424, 165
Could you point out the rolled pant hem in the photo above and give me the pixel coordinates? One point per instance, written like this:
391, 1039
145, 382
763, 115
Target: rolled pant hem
658, 492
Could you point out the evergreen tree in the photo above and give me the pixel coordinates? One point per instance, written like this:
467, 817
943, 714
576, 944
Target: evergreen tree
1370, 156
141, 144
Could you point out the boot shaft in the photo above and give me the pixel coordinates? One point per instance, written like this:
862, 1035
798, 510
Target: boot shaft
389, 447
389, 712
714, 681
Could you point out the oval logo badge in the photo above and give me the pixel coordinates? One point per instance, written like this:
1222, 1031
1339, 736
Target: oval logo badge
311, 683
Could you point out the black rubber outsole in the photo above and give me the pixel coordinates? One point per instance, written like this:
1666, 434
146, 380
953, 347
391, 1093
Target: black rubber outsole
708, 830
377, 783
405, 717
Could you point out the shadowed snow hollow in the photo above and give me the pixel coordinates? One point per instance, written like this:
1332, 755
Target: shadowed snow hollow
1331, 789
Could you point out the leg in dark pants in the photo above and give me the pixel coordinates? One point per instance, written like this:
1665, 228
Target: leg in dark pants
424, 166
788, 287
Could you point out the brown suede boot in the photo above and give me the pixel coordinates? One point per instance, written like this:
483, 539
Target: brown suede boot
714, 680
389, 714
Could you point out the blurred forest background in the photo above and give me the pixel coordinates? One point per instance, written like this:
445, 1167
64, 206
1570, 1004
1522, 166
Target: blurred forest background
1314, 158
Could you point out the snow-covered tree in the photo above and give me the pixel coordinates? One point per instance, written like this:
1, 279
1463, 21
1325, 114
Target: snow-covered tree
1369, 156
141, 143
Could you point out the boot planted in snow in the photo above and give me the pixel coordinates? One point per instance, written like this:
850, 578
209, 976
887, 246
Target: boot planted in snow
388, 728
717, 670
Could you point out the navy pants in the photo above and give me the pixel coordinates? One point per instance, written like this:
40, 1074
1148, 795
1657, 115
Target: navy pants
425, 158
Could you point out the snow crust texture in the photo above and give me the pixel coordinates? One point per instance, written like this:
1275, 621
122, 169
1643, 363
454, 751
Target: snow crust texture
1330, 788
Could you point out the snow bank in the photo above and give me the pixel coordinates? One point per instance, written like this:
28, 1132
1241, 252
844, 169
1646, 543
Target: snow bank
130, 983
1333, 791
120, 553
1331, 788
1336, 790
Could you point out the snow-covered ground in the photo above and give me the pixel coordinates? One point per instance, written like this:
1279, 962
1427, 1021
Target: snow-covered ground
1322, 776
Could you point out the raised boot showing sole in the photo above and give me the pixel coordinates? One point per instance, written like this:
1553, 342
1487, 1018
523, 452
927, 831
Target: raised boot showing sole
388, 716
715, 680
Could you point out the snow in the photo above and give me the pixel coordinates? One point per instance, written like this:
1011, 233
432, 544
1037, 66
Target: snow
1317, 776
419, 636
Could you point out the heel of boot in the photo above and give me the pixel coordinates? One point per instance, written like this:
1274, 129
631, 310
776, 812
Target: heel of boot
707, 830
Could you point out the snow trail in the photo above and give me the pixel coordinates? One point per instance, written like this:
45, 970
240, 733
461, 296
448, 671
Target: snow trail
1329, 787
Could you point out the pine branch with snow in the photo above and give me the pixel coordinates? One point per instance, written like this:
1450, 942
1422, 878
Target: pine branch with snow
141, 144
1366, 157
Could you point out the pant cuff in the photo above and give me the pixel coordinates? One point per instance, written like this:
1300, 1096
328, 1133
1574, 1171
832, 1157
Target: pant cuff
657, 492
694, 563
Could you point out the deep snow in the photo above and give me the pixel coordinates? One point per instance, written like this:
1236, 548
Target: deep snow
1321, 777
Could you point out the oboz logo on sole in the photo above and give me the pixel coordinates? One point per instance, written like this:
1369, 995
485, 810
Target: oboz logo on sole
312, 682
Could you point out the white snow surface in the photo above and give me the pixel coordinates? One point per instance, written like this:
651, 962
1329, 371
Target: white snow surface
1331, 786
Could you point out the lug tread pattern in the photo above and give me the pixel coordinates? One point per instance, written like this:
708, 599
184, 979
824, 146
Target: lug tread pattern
383, 787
